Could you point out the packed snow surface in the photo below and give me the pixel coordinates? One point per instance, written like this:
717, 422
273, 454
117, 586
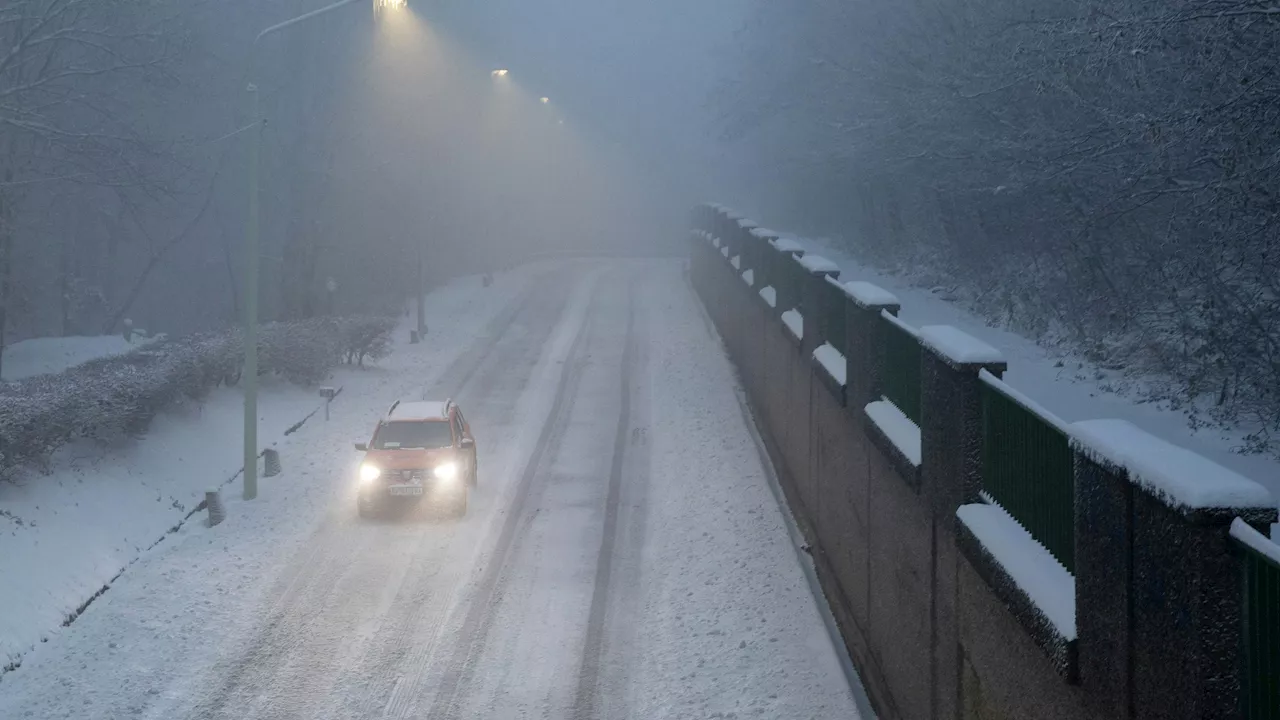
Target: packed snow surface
1181, 478
904, 434
749, 277
1037, 573
958, 346
770, 295
832, 361
736, 262
794, 322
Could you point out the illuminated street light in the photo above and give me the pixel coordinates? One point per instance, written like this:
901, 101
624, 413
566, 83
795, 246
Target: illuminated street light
544, 100
499, 73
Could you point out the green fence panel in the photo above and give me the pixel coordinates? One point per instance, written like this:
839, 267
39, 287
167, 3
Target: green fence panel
900, 373
1027, 467
1260, 689
832, 315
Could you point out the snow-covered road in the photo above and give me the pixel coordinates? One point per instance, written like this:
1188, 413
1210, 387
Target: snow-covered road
623, 557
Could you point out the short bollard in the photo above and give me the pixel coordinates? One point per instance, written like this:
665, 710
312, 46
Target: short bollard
328, 393
270, 462
213, 503
413, 337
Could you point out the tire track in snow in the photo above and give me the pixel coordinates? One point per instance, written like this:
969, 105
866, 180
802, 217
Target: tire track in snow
408, 632
585, 697
459, 667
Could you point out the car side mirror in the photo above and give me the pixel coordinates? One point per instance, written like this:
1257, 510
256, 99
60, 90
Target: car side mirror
467, 443
362, 447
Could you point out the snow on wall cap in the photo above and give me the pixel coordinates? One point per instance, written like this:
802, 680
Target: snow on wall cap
818, 264
958, 346
1260, 543
1179, 477
765, 233
786, 244
746, 224
869, 295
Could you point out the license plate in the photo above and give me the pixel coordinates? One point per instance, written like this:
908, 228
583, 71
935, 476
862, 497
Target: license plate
405, 490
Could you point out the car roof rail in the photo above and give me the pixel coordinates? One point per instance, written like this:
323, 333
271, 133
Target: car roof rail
393, 407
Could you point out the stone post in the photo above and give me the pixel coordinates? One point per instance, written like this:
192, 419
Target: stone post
1158, 589
950, 476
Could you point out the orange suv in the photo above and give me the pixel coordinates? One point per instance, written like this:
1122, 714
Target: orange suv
422, 450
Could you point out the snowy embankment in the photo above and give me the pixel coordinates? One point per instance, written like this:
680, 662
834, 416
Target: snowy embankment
66, 532
1068, 386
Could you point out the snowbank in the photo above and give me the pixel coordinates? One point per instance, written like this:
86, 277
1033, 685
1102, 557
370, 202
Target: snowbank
1045, 581
1182, 478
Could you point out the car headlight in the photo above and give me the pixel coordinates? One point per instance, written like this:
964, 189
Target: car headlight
447, 471
369, 473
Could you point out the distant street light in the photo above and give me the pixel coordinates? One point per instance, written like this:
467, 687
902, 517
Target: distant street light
544, 100
499, 73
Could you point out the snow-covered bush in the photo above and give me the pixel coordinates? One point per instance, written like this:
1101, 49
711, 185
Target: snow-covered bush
118, 396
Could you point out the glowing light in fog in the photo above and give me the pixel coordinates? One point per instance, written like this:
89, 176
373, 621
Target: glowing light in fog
369, 473
499, 73
544, 100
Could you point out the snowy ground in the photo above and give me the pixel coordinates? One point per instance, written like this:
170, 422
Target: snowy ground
65, 533
1068, 386
40, 356
623, 557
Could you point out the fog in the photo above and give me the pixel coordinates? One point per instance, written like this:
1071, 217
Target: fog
1092, 175
388, 145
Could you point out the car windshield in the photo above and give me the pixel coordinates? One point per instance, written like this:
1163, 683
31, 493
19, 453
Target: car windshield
413, 435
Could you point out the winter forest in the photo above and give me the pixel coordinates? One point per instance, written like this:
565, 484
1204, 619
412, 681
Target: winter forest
1098, 175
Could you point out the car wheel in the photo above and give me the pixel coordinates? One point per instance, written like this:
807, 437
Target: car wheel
364, 508
474, 480
460, 503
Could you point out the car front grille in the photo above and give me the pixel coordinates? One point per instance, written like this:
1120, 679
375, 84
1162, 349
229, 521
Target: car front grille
397, 477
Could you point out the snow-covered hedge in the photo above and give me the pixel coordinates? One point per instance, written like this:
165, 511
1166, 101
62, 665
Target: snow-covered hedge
118, 396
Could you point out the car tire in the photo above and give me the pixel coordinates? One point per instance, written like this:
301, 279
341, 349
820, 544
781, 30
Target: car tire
364, 508
473, 480
460, 504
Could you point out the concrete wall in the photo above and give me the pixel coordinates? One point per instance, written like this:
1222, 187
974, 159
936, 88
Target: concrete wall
933, 627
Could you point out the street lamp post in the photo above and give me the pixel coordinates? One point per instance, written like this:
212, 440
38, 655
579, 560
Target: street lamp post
250, 373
